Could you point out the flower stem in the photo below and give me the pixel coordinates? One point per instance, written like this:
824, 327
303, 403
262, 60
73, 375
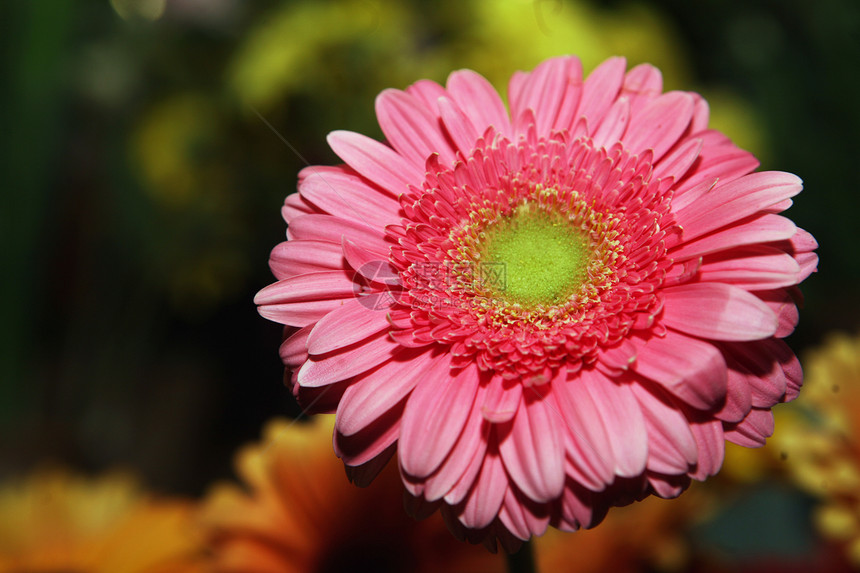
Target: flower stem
523, 561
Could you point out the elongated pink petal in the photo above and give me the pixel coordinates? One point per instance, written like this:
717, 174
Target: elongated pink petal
479, 101
659, 124
413, 131
458, 126
318, 227
736, 200
711, 445
294, 348
434, 418
676, 163
350, 361
718, 312
533, 451
376, 161
296, 206
484, 500
373, 441
758, 229
292, 258
753, 430
754, 267
623, 422
691, 369
377, 391
671, 445
502, 400
543, 92
581, 416
642, 84
759, 364
308, 287
349, 198
345, 325
614, 124
600, 89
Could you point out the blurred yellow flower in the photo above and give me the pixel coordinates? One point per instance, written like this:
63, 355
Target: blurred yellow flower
819, 438
57, 521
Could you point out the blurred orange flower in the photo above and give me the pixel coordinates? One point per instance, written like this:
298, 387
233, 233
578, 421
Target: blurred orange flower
298, 513
57, 521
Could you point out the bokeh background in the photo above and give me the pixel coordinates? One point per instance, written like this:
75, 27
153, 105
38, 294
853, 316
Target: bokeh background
147, 145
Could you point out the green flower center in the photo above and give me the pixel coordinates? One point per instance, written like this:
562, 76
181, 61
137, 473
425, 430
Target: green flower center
533, 257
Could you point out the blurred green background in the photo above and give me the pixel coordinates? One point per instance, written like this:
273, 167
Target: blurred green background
142, 184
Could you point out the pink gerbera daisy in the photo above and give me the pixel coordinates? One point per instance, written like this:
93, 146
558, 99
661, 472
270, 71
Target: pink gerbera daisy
546, 312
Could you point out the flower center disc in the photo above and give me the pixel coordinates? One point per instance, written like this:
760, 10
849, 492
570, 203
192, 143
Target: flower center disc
542, 258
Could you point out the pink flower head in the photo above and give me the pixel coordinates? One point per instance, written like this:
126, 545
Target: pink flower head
541, 313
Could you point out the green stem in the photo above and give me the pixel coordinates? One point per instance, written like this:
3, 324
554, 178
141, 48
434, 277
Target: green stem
523, 561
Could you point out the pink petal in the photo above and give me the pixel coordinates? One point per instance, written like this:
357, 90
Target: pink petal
376, 161
701, 115
753, 267
435, 416
720, 159
413, 131
362, 475
659, 124
377, 391
334, 229
543, 92
361, 357
427, 92
294, 348
758, 229
567, 112
296, 206
691, 369
711, 445
783, 305
301, 313
668, 486
753, 430
759, 365
372, 265
483, 502
614, 124
347, 324
678, 162
455, 476
600, 90
577, 505
347, 197
455, 485
300, 257
671, 445
642, 84
533, 450
581, 416
479, 101
523, 516
738, 399
622, 418
502, 400
736, 200
718, 312
372, 442
458, 126
310, 286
